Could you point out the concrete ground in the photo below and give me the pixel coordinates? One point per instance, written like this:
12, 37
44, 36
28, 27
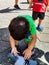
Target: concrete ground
7, 12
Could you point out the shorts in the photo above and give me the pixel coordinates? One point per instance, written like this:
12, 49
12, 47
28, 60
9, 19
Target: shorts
22, 45
39, 15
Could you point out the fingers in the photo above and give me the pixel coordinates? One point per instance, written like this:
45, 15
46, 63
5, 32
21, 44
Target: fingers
27, 56
32, 53
15, 52
24, 52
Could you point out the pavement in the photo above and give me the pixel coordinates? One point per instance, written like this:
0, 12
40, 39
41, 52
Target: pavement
7, 12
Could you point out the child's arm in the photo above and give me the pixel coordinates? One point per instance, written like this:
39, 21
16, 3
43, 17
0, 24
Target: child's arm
12, 43
30, 3
32, 43
47, 5
28, 52
47, 2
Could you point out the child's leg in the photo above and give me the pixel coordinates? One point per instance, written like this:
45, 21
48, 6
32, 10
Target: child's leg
40, 21
41, 17
39, 27
16, 4
35, 15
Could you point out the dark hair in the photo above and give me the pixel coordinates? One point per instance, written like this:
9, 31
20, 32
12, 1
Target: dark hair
18, 28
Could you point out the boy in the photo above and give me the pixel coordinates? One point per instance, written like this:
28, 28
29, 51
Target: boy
22, 37
39, 9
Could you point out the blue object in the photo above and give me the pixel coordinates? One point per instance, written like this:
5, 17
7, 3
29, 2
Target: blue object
13, 58
32, 62
39, 28
28, 35
20, 61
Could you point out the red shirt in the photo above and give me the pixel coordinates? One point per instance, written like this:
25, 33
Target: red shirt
39, 5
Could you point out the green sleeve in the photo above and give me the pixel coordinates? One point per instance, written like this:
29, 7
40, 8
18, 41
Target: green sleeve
32, 24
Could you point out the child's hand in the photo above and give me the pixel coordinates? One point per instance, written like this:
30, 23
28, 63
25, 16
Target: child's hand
29, 7
48, 8
14, 51
27, 53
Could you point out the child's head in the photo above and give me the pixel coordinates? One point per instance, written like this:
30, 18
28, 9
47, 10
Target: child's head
18, 28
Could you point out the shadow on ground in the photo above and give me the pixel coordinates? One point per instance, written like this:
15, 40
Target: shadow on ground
5, 50
8, 10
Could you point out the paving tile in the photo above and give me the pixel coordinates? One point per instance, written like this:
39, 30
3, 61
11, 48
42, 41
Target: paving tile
45, 31
4, 57
4, 46
43, 37
0, 34
0, 37
4, 34
43, 46
45, 22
